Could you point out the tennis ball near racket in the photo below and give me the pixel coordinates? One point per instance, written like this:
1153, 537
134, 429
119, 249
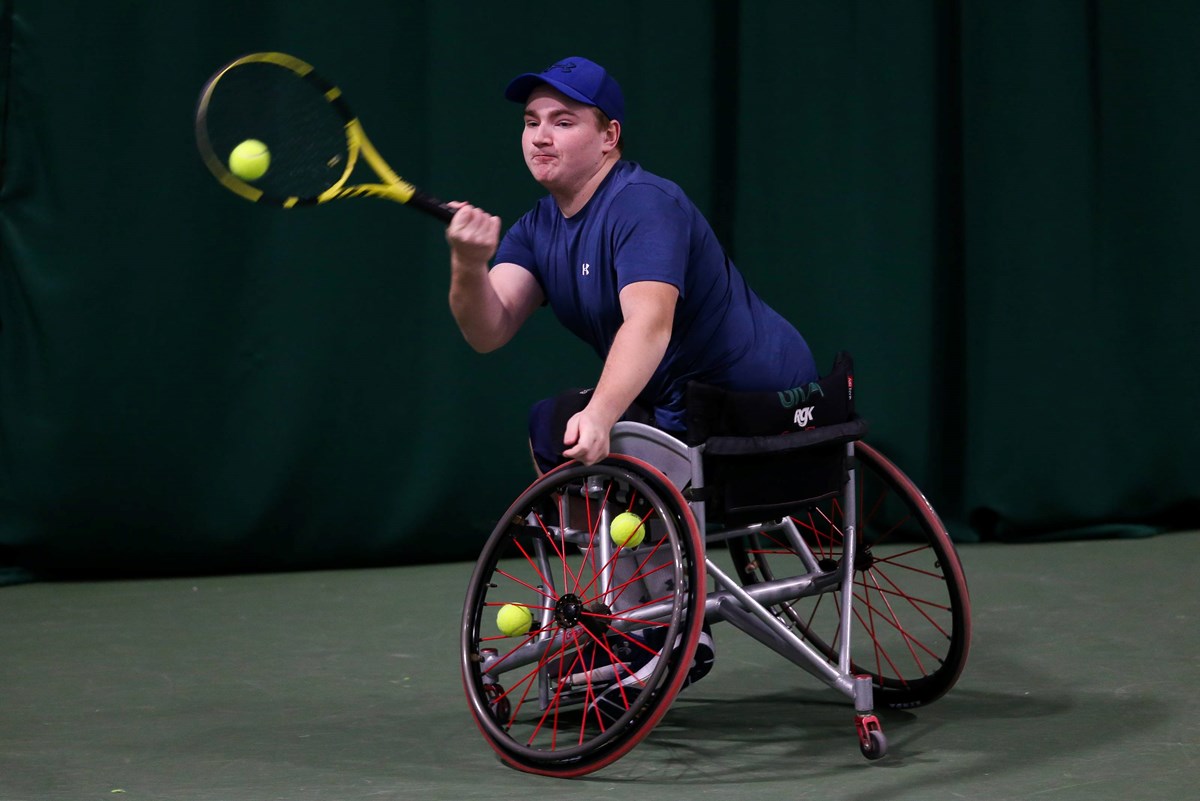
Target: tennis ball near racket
514, 620
627, 530
250, 160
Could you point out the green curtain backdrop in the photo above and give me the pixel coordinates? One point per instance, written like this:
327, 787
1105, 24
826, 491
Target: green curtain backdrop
989, 205
994, 206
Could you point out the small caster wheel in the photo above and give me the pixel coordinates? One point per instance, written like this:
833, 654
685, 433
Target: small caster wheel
871, 739
498, 703
875, 746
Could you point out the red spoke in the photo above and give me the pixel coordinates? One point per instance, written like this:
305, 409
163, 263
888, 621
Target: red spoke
893, 620
587, 589
785, 548
869, 625
891, 560
913, 601
591, 555
589, 691
836, 536
877, 647
865, 520
881, 538
527, 639
537, 590
907, 596
529, 681
618, 590
554, 702
593, 530
559, 552
824, 541
564, 523
794, 606
898, 627
623, 616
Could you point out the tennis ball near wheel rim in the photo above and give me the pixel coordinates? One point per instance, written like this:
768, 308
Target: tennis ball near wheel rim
250, 160
514, 620
627, 530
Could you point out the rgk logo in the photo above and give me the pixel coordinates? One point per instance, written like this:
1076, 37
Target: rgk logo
803, 416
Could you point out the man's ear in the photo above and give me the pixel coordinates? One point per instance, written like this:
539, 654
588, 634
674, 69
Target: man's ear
612, 135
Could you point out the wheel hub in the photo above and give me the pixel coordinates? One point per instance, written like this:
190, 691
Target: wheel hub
864, 560
570, 611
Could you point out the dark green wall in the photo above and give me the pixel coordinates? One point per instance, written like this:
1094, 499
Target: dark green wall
990, 205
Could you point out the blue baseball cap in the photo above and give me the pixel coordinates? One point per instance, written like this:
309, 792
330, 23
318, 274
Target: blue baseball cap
577, 78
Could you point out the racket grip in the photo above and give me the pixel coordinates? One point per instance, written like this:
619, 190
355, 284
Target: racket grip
431, 206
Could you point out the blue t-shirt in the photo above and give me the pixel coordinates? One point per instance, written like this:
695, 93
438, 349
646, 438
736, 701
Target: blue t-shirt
639, 227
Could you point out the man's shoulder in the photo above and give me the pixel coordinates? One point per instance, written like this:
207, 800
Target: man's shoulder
640, 192
632, 174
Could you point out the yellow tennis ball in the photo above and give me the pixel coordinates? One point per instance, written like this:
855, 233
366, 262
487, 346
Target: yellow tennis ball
514, 620
627, 530
250, 160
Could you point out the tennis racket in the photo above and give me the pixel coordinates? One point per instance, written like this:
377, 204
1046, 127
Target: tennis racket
315, 140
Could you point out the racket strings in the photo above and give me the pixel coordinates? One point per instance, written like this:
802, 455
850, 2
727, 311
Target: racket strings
291, 115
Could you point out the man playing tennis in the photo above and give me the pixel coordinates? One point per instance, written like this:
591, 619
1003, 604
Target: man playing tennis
627, 263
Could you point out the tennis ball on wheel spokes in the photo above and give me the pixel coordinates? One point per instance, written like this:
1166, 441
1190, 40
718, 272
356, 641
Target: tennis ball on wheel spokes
627, 530
514, 620
250, 160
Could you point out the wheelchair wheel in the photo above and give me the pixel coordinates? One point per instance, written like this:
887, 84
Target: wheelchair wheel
598, 637
911, 626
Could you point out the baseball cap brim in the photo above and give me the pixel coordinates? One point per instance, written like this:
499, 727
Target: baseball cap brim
522, 86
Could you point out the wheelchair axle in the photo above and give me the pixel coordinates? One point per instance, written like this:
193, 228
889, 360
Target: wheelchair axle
570, 611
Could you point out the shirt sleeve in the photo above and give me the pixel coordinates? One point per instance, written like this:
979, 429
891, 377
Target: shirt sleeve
651, 235
517, 247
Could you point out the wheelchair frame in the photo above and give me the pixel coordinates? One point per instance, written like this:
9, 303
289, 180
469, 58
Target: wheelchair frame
667, 477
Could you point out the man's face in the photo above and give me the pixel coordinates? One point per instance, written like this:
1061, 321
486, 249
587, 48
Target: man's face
562, 140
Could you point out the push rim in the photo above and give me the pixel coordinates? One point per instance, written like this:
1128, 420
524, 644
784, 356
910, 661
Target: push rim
534, 695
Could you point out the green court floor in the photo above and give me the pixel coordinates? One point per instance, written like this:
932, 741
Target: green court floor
341, 686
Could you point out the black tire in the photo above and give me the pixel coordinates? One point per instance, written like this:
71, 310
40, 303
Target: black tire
535, 695
912, 613
876, 746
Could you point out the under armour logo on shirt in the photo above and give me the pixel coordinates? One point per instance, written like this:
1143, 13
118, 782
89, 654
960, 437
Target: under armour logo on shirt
583, 268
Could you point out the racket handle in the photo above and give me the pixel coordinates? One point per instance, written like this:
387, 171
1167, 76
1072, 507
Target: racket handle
431, 206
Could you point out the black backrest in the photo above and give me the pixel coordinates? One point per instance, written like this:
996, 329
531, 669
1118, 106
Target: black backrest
718, 412
771, 454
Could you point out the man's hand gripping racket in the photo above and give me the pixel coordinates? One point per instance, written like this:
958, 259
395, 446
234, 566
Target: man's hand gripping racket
314, 140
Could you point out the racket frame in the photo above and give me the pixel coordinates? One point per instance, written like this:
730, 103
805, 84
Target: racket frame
393, 187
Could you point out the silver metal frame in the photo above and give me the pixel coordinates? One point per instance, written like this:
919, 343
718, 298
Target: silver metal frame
749, 608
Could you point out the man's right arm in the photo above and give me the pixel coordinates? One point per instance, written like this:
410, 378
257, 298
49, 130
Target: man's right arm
488, 305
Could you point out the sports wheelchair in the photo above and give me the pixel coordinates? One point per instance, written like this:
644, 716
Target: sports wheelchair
840, 565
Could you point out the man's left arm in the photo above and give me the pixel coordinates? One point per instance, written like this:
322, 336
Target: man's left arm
648, 309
